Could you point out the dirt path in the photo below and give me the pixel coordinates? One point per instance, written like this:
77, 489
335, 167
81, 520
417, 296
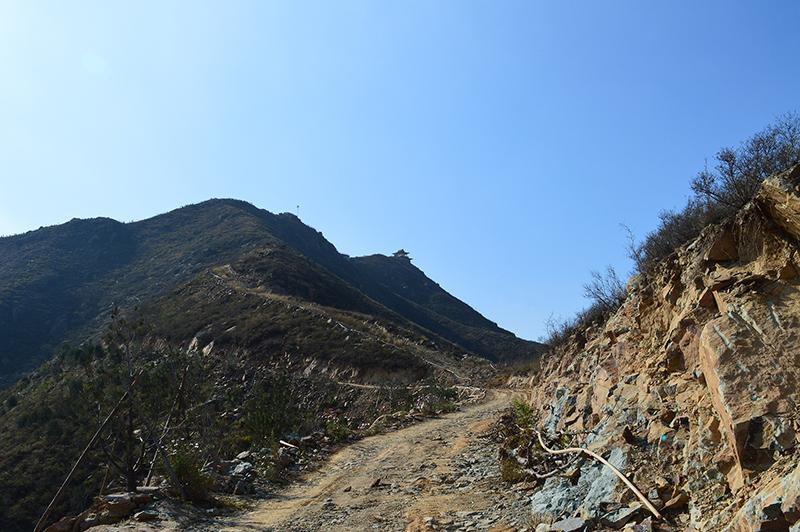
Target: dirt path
440, 474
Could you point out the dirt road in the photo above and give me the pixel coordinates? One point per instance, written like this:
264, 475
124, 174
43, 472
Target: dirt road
440, 474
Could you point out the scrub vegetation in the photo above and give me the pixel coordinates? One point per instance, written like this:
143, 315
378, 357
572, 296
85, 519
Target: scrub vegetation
717, 193
227, 391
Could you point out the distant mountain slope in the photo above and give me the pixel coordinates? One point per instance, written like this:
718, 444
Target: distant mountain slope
406, 281
52, 281
274, 304
401, 286
60, 283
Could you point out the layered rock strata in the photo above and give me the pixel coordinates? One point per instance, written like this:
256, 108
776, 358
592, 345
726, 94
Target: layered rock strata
695, 378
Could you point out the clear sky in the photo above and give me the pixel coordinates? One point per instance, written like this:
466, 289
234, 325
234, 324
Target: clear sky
501, 143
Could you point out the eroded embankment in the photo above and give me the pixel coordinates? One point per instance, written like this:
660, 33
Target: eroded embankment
692, 385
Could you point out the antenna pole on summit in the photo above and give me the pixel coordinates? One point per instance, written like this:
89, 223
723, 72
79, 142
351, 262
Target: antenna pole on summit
298, 211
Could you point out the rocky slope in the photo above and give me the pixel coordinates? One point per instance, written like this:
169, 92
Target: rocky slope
692, 386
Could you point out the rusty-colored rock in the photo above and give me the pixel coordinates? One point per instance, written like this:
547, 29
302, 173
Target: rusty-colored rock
699, 371
677, 501
724, 248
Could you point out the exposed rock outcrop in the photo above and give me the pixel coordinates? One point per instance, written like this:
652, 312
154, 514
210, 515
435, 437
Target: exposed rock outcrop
699, 369
108, 509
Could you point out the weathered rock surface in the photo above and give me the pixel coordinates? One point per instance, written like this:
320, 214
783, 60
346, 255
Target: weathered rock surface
573, 524
112, 508
696, 376
596, 483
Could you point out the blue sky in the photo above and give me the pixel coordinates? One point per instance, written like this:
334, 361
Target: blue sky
500, 143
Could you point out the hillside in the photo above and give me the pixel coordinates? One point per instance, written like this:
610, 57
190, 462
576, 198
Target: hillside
396, 283
264, 346
691, 386
61, 283
272, 304
251, 322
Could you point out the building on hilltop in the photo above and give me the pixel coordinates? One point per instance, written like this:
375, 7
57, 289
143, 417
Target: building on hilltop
401, 254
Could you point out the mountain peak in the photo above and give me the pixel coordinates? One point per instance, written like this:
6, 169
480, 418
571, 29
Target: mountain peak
58, 283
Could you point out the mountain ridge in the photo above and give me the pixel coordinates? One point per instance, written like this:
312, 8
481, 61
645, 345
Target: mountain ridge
61, 282
207, 293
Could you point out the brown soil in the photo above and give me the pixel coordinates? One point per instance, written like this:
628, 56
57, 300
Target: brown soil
402, 480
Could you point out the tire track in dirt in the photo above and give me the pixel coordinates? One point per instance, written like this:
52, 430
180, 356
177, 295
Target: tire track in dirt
403, 480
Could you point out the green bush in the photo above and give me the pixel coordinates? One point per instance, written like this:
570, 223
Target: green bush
187, 468
271, 411
511, 471
523, 413
334, 426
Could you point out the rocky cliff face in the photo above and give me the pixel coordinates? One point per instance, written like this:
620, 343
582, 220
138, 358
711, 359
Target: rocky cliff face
695, 378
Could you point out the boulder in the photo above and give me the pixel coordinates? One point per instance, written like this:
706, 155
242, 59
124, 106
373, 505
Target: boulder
677, 501
119, 504
154, 491
776, 506
241, 468
724, 248
241, 488
65, 524
620, 517
147, 515
645, 526
142, 498
778, 196
573, 524
293, 439
596, 484
91, 520
741, 356
286, 456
